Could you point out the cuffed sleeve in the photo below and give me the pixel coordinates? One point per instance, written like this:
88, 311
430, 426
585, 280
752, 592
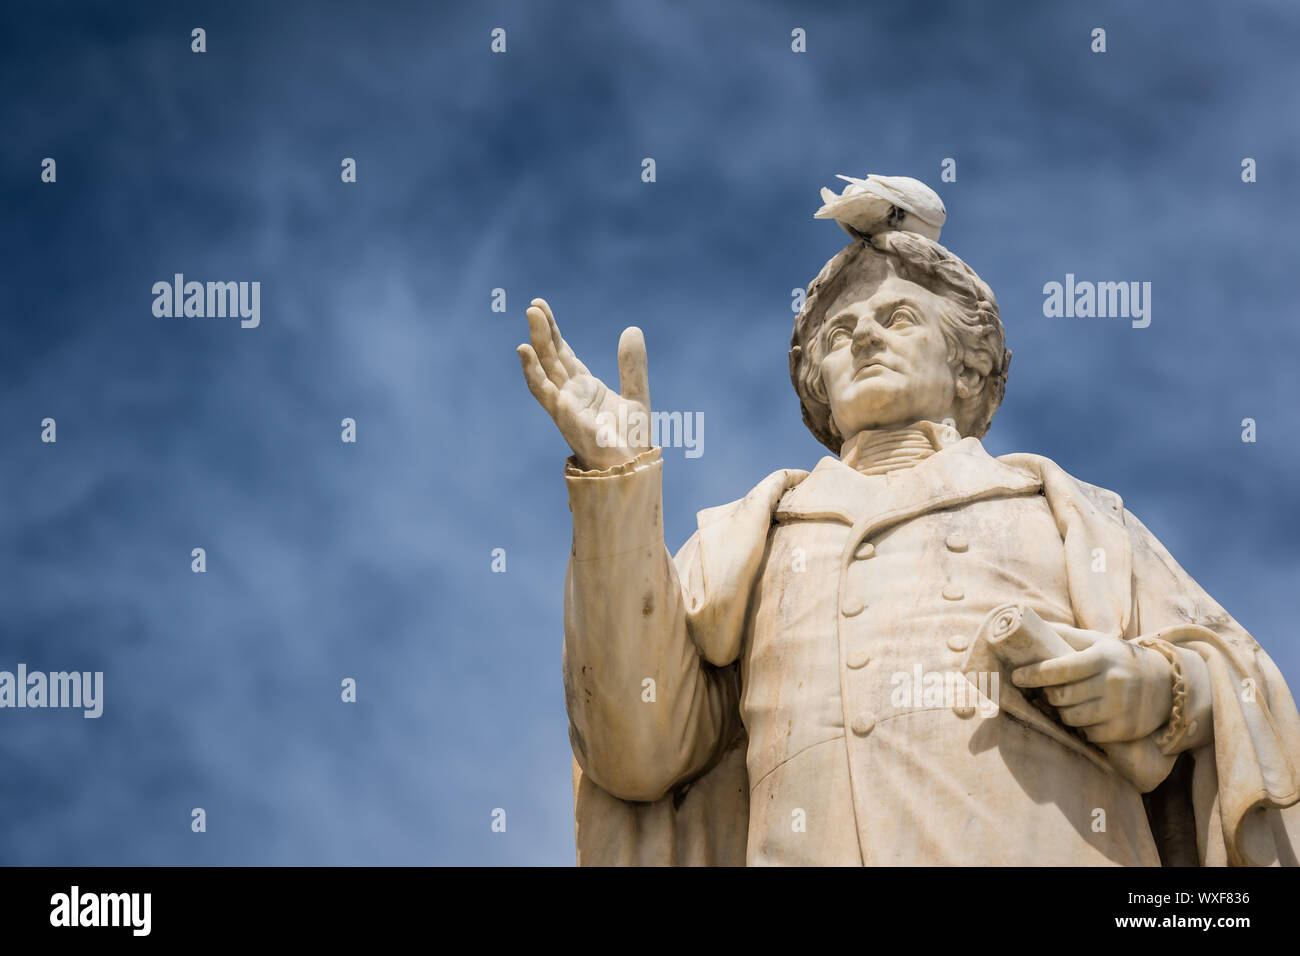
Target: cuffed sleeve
1198, 727
646, 714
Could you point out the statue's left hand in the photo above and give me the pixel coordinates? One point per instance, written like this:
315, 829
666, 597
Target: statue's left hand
1114, 690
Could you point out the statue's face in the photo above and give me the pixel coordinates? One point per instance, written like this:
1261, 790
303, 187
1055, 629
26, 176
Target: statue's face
885, 361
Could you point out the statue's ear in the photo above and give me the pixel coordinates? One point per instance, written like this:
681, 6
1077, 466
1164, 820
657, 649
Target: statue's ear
969, 381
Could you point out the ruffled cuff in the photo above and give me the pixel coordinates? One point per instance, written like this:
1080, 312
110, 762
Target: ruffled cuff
643, 460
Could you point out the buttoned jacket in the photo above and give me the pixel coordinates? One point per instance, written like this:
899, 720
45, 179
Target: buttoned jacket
657, 648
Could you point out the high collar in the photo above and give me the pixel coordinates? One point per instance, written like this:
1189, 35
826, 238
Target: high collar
958, 472
880, 451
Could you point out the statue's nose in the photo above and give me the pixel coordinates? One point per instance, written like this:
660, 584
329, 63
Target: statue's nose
867, 333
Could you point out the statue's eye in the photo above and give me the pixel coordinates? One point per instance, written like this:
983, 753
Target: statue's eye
900, 316
839, 336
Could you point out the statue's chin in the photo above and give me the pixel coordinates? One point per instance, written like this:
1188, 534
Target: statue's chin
882, 422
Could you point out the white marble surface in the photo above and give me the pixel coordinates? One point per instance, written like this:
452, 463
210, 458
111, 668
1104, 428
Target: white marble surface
789, 688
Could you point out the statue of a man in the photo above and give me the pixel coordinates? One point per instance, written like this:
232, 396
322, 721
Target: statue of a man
767, 696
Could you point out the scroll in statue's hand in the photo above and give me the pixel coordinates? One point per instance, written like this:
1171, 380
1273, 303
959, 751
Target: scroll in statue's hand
602, 427
1112, 690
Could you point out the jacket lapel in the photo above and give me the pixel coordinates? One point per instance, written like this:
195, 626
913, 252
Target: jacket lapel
959, 473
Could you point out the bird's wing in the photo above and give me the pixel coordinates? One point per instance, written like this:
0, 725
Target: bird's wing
914, 196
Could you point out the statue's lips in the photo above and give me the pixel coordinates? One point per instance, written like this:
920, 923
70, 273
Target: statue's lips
868, 367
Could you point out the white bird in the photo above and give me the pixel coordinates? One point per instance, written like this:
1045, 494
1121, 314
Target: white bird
884, 203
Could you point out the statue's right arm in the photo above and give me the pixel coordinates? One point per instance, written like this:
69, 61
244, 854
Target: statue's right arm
646, 713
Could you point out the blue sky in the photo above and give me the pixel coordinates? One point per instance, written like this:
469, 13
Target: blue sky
522, 171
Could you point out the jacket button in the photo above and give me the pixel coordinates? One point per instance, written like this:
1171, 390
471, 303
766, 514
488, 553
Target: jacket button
863, 724
952, 592
964, 710
853, 607
865, 550
958, 642
858, 661
957, 543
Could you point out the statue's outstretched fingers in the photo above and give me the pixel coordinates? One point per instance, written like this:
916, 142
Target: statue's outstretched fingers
568, 358
543, 389
572, 364
545, 307
539, 333
633, 377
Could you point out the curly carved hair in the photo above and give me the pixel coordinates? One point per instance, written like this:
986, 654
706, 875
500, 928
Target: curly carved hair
971, 327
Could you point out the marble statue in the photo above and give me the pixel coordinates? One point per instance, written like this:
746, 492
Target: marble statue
914, 654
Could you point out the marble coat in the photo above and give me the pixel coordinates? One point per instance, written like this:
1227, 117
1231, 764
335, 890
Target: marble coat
739, 703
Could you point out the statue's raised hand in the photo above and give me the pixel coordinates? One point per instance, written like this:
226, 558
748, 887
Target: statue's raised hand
602, 427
